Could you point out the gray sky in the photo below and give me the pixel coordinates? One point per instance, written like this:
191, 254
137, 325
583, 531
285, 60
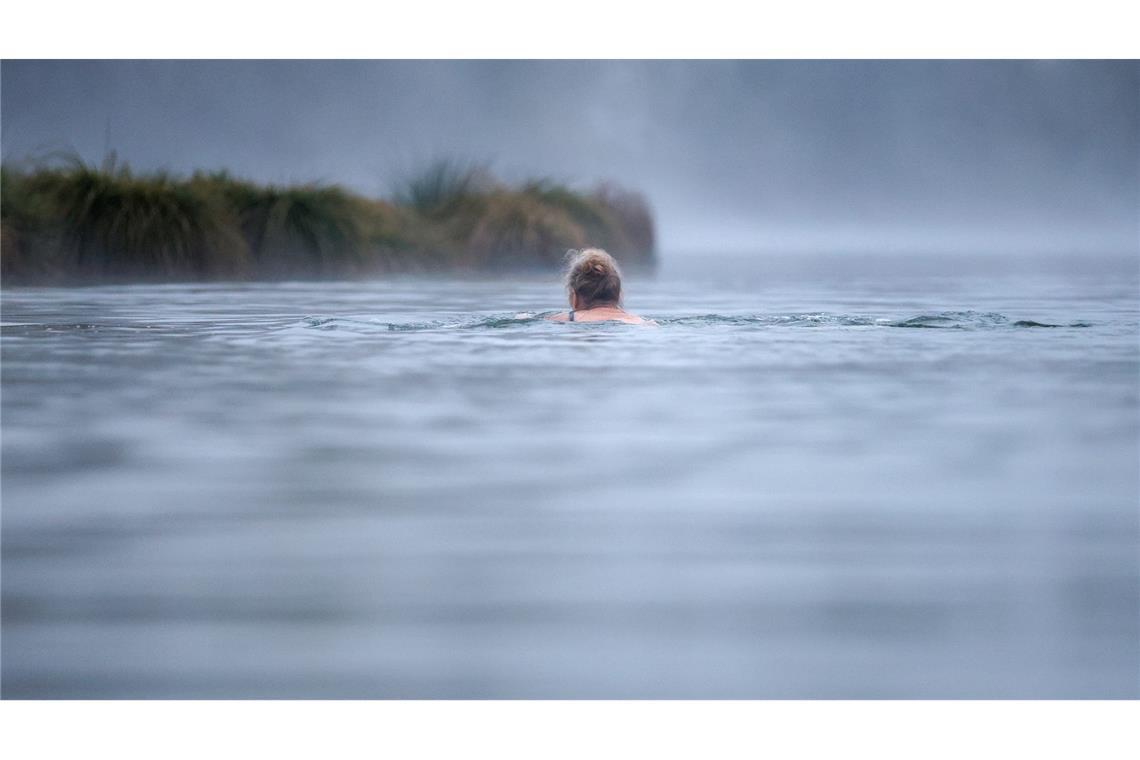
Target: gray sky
733, 155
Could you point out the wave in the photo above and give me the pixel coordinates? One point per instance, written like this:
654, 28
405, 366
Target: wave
974, 320
469, 323
943, 319
773, 320
958, 320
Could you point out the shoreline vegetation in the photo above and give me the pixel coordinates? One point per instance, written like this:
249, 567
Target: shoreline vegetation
69, 222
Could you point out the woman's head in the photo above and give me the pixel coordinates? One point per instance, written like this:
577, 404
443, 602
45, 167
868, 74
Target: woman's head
592, 279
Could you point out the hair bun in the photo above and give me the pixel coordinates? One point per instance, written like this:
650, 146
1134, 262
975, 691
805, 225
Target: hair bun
594, 276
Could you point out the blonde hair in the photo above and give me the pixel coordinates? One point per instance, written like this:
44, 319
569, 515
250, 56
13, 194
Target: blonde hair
593, 275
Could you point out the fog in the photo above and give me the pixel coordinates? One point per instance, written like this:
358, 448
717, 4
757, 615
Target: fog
988, 157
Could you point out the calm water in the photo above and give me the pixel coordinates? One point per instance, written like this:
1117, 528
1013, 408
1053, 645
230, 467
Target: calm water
833, 479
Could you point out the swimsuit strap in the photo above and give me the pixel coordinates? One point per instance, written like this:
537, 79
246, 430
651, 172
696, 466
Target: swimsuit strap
571, 317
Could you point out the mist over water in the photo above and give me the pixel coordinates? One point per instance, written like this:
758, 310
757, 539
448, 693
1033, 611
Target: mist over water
895, 478
919, 157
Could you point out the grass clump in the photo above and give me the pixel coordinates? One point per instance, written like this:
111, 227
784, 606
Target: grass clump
303, 229
154, 227
443, 187
70, 221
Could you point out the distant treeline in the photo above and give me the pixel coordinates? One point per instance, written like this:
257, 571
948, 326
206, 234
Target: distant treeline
69, 221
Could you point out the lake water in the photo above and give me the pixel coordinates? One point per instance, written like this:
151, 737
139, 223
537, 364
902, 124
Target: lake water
818, 477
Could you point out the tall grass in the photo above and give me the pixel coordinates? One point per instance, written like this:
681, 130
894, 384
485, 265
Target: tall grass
288, 230
517, 230
17, 220
609, 217
441, 188
154, 226
67, 220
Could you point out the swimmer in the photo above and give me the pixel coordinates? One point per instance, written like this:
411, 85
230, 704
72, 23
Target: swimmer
593, 282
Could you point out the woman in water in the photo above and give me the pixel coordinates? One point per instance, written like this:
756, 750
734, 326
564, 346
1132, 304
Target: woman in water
593, 282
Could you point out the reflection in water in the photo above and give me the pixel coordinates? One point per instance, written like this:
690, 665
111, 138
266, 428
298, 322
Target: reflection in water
423, 489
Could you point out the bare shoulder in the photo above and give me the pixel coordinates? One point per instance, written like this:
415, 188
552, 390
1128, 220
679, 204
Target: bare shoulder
633, 319
596, 315
636, 320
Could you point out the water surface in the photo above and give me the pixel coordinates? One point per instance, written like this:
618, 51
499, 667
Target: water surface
829, 479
